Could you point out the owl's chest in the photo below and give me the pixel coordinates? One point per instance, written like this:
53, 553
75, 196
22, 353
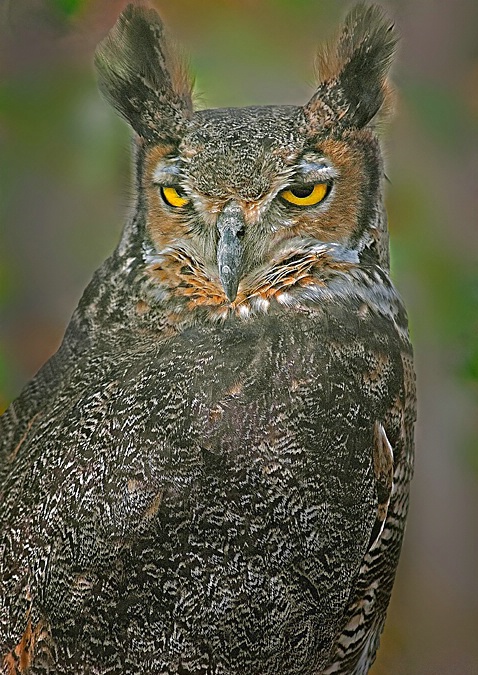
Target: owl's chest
285, 399
218, 474
266, 392
256, 410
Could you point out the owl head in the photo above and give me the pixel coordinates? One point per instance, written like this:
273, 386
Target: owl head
248, 205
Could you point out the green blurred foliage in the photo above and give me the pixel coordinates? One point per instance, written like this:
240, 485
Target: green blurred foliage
68, 7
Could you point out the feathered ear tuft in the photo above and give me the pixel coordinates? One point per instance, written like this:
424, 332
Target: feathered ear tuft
142, 77
352, 85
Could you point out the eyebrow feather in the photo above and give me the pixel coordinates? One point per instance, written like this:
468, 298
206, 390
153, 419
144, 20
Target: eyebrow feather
315, 172
165, 171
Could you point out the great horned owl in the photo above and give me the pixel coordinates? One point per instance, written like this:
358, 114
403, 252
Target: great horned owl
211, 475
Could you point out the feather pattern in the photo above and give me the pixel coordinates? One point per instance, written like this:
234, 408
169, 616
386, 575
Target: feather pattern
142, 77
352, 71
193, 485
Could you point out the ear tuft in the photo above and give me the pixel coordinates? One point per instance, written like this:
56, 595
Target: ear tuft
140, 74
352, 72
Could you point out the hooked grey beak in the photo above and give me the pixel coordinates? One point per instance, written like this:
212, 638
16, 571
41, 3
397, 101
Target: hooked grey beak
230, 224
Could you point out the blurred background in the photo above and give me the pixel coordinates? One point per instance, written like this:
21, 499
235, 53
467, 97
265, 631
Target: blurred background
65, 190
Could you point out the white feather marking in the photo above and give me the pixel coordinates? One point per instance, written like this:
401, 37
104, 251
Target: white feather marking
260, 304
243, 311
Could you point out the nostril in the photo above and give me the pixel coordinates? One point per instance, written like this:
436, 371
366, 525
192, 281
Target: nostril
231, 218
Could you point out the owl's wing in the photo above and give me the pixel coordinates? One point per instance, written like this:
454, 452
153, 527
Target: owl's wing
358, 642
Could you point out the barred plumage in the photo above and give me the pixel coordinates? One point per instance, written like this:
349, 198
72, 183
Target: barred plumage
211, 475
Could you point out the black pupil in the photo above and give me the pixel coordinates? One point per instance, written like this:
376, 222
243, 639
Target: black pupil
302, 191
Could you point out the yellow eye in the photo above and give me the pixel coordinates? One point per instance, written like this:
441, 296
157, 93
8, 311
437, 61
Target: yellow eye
173, 197
308, 195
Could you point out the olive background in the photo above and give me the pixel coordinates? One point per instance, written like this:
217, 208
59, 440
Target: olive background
66, 189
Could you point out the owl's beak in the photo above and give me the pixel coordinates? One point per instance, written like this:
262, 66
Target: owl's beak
230, 224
